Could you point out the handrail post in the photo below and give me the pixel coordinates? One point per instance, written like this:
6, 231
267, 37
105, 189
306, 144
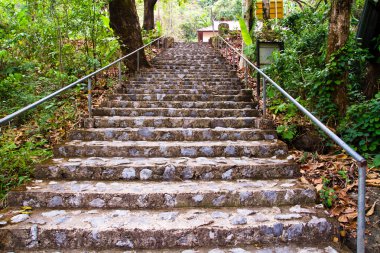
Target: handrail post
246, 74
119, 69
89, 89
360, 244
138, 61
264, 97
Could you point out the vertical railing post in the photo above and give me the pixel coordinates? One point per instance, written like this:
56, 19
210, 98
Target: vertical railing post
258, 81
138, 61
360, 247
246, 74
119, 69
89, 90
264, 97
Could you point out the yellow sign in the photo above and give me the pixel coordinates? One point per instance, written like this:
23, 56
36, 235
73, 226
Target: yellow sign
276, 9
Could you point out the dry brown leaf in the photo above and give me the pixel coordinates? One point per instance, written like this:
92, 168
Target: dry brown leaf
349, 210
373, 176
336, 211
304, 180
343, 218
371, 211
373, 182
319, 187
342, 156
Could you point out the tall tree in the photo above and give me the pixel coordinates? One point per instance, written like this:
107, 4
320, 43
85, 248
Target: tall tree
339, 31
149, 14
125, 23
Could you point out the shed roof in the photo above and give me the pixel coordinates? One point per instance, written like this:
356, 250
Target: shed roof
234, 25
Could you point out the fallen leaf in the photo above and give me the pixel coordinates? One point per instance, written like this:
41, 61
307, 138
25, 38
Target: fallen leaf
304, 180
371, 211
343, 218
319, 187
373, 182
342, 156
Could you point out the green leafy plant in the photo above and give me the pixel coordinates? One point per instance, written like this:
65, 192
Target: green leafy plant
245, 32
327, 194
287, 132
361, 126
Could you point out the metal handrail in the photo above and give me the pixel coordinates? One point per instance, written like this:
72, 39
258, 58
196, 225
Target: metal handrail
87, 77
362, 163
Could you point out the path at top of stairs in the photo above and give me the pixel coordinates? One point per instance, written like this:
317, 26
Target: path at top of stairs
179, 159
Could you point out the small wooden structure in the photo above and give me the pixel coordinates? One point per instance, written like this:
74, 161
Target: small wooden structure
204, 34
276, 9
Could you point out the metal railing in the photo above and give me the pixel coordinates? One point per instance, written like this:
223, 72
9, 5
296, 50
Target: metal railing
8, 118
221, 44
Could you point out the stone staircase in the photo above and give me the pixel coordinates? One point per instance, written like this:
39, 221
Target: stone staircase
177, 160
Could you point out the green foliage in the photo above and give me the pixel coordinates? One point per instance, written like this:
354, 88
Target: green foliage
197, 21
327, 194
361, 126
245, 33
22, 149
376, 161
227, 10
45, 45
287, 132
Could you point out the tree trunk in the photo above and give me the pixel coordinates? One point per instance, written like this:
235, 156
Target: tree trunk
339, 31
125, 23
149, 14
248, 14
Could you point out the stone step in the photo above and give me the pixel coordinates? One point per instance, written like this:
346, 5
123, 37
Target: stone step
126, 229
172, 149
161, 195
189, 79
178, 104
190, 66
288, 247
184, 85
176, 112
222, 71
174, 169
172, 134
187, 74
184, 122
180, 97
177, 91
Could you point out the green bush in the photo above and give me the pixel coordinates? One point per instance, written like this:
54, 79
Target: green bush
361, 127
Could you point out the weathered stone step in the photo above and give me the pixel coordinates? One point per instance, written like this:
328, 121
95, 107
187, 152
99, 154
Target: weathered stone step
176, 112
222, 71
182, 229
190, 66
293, 248
183, 168
172, 134
178, 104
184, 85
187, 74
169, 122
180, 97
178, 91
160, 195
189, 79
172, 149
